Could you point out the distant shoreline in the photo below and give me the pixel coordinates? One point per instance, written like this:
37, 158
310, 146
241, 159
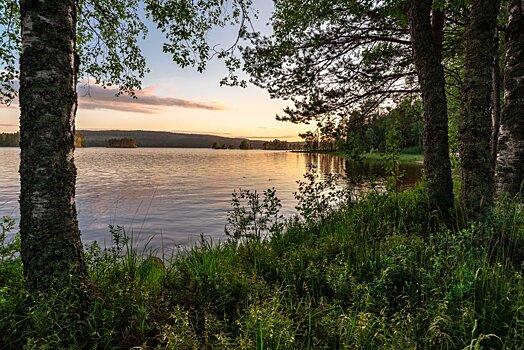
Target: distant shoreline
165, 139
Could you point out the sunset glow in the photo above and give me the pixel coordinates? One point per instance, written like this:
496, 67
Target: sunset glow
180, 100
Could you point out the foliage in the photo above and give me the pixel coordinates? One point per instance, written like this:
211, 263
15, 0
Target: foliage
358, 279
80, 140
11, 279
107, 43
8, 248
276, 145
318, 196
332, 57
108, 32
244, 144
355, 134
392, 158
9, 49
187, 24
251, 217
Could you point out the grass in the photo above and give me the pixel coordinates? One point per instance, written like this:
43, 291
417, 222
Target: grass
368, 276
401, 157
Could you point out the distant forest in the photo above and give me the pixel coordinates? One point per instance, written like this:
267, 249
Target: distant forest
108, 138
124, 142
162, 139
9, 140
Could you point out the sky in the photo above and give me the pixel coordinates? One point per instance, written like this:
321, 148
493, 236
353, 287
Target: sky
182, 100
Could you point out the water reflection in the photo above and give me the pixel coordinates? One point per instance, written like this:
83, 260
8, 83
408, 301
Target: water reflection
365, 175
174, 195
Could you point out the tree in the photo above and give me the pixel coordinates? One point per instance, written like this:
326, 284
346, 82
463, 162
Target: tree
275, 145
101, 37
186, 25
80, 140
476, 129
496, 99
311, 140
244, 144
510, 162
333, 57
50, 65
47, 170
426, 39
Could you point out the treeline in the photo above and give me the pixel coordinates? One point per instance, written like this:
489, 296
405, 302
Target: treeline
244, 144
283, 145
80, 140
267, 145
10, 139
124, 142
356, 133
13, 140
162, 139
218, 145
275, 145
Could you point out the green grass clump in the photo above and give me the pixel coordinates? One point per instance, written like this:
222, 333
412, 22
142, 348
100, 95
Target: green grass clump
372, 275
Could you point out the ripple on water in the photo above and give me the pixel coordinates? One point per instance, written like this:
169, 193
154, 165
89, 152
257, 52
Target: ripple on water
173, 195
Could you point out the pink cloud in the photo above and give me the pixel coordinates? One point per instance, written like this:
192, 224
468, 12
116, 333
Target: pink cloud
93, 96
148, 102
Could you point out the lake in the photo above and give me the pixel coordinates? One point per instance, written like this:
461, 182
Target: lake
168, 197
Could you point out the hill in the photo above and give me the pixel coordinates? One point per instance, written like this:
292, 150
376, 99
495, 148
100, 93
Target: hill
162, 139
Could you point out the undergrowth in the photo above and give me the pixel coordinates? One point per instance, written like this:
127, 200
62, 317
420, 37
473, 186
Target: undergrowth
361, 277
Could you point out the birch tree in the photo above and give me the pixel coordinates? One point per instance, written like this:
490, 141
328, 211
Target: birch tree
510, 157
57, 42
476, 122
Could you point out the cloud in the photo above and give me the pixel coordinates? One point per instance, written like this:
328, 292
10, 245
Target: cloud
96, 97
92, 97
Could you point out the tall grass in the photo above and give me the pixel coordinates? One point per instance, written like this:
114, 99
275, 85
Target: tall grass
362, 277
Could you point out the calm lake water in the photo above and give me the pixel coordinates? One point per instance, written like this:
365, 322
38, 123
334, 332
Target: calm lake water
168, 197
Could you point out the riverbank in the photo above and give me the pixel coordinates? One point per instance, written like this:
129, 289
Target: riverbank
374, 156
367, 276
407, 158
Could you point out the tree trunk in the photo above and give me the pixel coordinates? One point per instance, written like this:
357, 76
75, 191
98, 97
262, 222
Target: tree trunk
426, 56
476, 124
510, 160
51, 248
496, 101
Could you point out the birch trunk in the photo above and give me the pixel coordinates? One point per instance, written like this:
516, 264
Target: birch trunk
477, 184
51, 248
496, 101
510, 157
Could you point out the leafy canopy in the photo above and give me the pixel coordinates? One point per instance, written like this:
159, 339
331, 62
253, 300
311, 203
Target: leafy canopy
187, 23
330, 57
109, 33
